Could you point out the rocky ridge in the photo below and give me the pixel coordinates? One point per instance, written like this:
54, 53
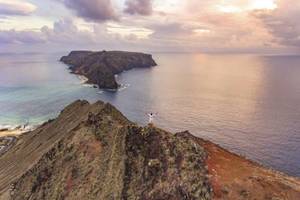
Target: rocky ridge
92, 151
105, 156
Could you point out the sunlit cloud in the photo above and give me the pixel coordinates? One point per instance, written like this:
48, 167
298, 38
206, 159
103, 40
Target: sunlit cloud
202, 31
129, 31
229, 9
170, 25
14, 7
263, 4
244, 6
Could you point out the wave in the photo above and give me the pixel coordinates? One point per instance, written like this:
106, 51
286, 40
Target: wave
82, 79
89, 85
22, 128
123, 87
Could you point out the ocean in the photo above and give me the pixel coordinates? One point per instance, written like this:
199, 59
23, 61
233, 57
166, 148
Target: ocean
246, 103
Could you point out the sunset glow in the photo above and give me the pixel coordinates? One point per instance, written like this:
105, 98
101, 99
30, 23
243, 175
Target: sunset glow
263, 4
149, 99
235, 7
247, 25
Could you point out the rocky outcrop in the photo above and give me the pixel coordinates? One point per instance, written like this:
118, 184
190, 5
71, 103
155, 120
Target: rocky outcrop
100, 68
92, 151
6, 143
105, 156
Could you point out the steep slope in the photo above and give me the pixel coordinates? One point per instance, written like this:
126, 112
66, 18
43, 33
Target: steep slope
91, 151
100, 67
233, 177
31, 146
107, 157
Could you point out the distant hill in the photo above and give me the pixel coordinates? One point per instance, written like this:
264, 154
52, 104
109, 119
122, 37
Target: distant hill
100, 67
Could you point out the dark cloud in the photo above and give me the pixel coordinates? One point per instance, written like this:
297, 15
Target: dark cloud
16, 8
92, 10
282, 23
140, 7
63, 33
65, 36
284, 31
21, 37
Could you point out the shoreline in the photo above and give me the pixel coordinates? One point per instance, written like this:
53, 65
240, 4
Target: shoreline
76, 61
11, 133
84, 81
17, 131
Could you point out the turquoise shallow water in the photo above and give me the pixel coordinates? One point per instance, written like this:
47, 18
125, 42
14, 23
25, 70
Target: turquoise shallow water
248, 104
34, 87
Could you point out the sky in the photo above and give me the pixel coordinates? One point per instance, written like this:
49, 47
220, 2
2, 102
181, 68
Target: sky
226, 26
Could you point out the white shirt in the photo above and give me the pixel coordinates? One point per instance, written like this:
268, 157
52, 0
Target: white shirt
151, 117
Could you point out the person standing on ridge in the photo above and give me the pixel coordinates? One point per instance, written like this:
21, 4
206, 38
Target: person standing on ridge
151, 118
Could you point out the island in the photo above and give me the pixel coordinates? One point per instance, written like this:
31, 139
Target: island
92, 151
101, 67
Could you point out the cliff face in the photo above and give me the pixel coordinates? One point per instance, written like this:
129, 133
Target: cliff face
100, 67
107, 157
91, 151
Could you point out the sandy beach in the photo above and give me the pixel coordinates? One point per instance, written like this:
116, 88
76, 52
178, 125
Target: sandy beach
14, 133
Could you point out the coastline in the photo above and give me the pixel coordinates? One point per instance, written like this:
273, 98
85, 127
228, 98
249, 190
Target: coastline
11, 133
230, 176
16, 130
83, 79
9, 137
89, 63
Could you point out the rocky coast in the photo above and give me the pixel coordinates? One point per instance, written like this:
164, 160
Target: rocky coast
101, 67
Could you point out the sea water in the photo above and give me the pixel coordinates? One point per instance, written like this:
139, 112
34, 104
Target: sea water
246, 103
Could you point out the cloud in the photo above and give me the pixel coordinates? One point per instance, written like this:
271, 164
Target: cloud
190, 25
140, 7
207, 29
92, 10
283, 22
64, 33
11, 7
21, 37
171, 31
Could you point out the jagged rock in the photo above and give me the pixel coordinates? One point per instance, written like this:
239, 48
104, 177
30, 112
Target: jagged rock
101, 67
92, 151
108, 157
